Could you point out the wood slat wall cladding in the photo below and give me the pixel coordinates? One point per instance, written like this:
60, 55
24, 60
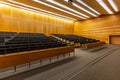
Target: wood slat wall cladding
99, 28
18, 20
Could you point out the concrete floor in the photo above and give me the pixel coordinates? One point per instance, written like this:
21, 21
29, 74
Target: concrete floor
101, 64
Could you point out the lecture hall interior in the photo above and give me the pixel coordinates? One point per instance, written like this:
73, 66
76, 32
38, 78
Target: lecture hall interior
59, 39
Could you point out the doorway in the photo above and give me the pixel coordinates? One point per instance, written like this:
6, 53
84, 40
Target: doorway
114, 39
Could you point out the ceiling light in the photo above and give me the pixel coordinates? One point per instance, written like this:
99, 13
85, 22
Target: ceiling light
79, 7
112, 3
1, 4
104, 6
80, 1
68, 8
58, 9
38, 10
84, 10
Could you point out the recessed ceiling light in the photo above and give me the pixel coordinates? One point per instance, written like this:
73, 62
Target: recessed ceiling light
101, 2
112, 3
41, 11
79, 7
58, 8
80, 1
68, 8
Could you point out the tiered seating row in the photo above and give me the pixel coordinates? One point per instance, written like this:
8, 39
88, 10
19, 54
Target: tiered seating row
79, 41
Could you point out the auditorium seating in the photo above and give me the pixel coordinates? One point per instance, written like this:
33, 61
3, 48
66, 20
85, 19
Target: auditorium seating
17, 49
79, 41
20, 42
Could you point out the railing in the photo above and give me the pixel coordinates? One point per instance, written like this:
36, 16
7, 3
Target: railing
15, 59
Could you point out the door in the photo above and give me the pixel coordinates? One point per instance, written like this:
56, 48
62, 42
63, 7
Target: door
114, 39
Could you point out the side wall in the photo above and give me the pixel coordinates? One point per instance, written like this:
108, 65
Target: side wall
99, 28
18, 20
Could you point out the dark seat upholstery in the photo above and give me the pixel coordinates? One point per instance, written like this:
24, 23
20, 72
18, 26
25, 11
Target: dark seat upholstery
74, 38
20, 42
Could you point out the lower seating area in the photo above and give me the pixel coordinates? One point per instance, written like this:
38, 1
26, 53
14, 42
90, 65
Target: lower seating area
21, 42
79, 41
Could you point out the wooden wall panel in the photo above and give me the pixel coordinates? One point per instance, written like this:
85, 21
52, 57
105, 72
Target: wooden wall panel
14, 22
5, 19
99, 28
19, 20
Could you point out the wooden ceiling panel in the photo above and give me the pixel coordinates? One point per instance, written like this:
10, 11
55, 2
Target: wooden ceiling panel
72, 14
117, 3
108, 4
73, 7
84, 8
41, 6
95, 6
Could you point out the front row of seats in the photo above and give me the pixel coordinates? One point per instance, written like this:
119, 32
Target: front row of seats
93, 45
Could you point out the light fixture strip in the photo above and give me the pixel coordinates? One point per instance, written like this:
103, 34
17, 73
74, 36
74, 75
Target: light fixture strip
66, 7
81, 8
101, 2
112, 3
44, 11
58, 9
80, 1
84, 10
